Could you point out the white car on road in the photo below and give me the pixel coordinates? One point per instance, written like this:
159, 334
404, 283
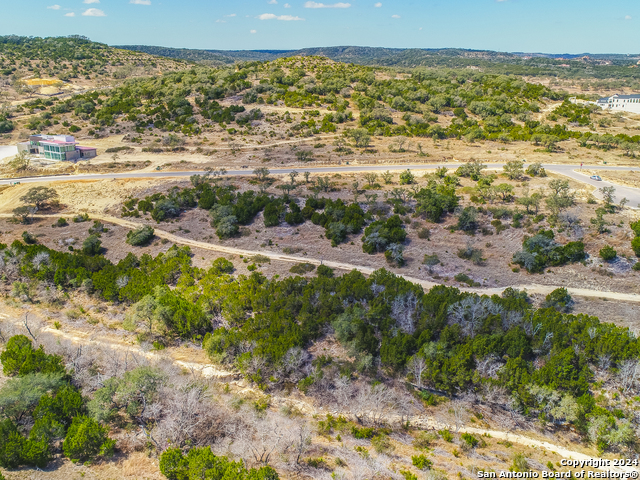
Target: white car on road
597, 178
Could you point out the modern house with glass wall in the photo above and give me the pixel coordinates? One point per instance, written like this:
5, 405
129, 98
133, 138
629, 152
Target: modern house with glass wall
56, 147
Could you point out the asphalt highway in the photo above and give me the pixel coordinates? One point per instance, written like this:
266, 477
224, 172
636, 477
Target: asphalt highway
572, 171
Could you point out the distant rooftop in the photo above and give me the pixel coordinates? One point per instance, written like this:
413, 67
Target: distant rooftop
58, 142
620, 97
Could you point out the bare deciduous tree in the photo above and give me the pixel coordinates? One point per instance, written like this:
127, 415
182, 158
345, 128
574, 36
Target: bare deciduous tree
403, 311
259, 439
628, 375
416, 367
471, 311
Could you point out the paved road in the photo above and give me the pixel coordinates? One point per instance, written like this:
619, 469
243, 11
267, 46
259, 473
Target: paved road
572, 171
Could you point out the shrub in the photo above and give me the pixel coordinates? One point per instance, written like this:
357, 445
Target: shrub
173, 465
635, 245
294, 217
472, 170
65, 405
446, 435
407, 178
97, 228
302, 268
165, 209
20, 358
324, 271
395, 255
541, 251
259, 259
200, 462
468, 219
222, 265
140, 236
87, 439
11, 445
470, 440
431, 260
520, 463
423, 440
29, 238
421, 462
464, 278
36, 452
61, 222
379, 235
608, 253
362, 433
272, 213
83, 217
472, 254
316, 462
436, 200
424, 233
559, 299
382, 444
92, 245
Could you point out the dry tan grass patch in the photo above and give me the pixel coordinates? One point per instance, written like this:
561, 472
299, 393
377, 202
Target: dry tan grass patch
140, 467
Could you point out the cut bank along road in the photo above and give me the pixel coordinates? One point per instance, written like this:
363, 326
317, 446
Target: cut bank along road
571, 171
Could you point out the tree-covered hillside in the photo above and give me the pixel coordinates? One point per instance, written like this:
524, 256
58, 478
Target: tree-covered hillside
579, 66
68, 62
439, 103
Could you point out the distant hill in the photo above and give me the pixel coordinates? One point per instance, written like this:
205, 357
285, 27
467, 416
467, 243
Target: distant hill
519, 63
360, 55
216, 57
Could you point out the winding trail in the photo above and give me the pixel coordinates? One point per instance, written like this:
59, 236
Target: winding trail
208, 370
531, 287
235, 380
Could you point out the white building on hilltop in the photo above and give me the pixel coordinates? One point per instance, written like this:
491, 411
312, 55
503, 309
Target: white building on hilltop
620, 103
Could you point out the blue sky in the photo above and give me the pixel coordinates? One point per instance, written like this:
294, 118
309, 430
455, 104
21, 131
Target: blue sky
553, 26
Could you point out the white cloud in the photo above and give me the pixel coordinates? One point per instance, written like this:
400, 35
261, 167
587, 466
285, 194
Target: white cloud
378, 5
420, 28
395, 16
140, 2
70, 14
312, 4
628, 17
221, 21
285, 18
231, 15
286, 5
91, 1
93, 12
54, 7
272, 2
253, 31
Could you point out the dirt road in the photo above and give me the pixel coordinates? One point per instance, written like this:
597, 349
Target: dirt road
530, 288
306, 407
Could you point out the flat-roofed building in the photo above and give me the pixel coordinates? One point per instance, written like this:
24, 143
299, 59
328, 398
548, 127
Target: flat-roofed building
56, 147
620, 103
